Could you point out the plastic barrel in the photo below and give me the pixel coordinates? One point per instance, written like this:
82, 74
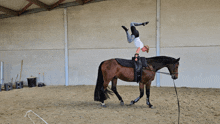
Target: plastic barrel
6, 86
21, 84
10, 86
31, 81
18, 85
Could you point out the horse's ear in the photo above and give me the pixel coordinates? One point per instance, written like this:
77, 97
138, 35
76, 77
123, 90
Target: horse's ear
178, 60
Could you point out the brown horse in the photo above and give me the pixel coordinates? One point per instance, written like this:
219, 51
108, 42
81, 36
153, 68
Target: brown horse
110, 70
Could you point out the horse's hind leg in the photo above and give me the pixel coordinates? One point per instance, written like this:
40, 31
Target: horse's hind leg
141, 87
104, 95
114, 89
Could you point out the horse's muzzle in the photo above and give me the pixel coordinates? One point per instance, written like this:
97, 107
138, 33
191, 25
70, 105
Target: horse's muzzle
174, 77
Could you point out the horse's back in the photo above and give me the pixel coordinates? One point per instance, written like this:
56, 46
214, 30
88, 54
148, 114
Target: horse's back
109, 64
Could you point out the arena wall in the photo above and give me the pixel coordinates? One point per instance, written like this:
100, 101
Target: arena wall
189, 30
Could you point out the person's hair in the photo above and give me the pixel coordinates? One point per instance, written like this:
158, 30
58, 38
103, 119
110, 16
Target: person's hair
147, 47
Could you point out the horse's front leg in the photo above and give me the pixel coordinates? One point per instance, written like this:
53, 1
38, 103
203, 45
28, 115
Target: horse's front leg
141, 87
114, 89
148, 95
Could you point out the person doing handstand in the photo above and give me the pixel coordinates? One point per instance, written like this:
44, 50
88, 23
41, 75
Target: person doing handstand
140, 46
135, 37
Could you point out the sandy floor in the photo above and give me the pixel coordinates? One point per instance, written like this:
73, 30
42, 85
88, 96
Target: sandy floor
74, 104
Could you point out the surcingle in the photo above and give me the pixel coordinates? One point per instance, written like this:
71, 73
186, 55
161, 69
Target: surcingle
137, 65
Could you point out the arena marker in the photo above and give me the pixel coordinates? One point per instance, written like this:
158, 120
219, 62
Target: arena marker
36, 115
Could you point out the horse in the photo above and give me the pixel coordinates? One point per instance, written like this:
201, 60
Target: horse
111, 70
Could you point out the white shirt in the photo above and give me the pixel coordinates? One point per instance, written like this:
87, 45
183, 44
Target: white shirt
138, 43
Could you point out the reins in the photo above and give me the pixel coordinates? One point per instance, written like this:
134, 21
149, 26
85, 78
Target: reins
174, 88
160, 72
164, 73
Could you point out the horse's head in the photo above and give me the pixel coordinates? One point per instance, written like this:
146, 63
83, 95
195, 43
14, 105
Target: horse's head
173, 68
159, 62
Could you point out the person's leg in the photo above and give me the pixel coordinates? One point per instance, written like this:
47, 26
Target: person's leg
134, 31
130, 38
138, 24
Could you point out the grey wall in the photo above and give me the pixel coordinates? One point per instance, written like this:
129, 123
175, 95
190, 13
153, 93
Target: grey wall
95, 34
189, 30
38, 40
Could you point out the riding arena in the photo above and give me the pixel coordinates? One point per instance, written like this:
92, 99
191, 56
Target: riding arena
109, 62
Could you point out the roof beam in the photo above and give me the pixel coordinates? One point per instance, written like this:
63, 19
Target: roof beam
8, 11
31, 11
56, 4
80, 2
25, 8
86, 1
39, 3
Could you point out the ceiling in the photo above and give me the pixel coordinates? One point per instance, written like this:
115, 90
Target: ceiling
11, 8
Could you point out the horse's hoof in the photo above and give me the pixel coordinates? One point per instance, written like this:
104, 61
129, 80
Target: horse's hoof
152, 107
104, 106
132, 103
122, 103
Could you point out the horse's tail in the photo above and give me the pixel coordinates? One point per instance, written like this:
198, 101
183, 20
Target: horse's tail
100, 94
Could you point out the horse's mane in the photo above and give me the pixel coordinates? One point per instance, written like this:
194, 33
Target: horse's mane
163, 59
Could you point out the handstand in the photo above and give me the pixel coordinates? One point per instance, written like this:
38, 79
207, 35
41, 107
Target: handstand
135, 37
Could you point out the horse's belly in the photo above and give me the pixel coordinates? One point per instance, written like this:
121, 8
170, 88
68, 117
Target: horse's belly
126, 74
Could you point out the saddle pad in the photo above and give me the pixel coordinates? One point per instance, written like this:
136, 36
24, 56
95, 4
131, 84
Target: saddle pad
130, 63
125, 62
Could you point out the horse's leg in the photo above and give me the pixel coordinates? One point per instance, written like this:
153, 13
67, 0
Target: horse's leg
102, 97
114, 89
107, 72
148, 94
104, 94
141, 87
107, 77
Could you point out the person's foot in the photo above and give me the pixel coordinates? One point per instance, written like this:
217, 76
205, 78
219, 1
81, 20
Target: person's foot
124, 28
145, 23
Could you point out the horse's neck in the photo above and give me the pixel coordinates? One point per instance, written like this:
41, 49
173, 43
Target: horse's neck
158, 66
160, 62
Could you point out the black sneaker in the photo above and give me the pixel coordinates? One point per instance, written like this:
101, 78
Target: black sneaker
124, 28
145, 23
